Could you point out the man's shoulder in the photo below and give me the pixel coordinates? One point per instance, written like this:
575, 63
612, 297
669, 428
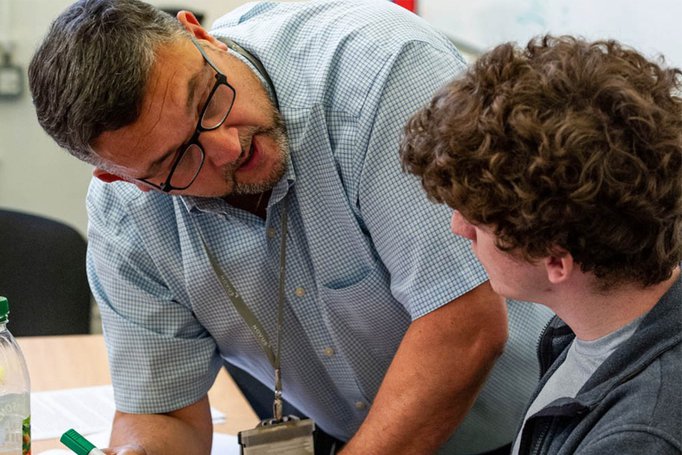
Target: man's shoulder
322, 31
649, 405
341, 55
650, 395
114, 202
122, 193
321, 18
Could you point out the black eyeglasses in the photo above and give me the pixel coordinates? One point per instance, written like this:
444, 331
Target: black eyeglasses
189, 161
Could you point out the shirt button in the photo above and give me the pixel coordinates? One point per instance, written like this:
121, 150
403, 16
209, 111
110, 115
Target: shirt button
272, 232
300, 292
328, 351
360, 406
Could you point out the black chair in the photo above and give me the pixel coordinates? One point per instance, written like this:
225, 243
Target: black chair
42, 274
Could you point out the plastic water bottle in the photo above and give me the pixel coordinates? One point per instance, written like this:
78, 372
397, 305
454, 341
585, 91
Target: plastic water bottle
15, 392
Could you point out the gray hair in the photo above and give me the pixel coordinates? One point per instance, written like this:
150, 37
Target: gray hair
89, 74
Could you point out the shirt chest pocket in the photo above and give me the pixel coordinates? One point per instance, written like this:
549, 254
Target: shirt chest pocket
363, 307
366, 322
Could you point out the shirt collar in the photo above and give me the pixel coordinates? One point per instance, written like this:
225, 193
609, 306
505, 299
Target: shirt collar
216, 204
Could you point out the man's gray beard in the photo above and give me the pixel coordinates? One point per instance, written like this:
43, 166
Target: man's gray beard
281, 142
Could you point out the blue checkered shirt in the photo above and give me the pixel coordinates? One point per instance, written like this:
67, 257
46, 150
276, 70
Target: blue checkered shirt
366, 255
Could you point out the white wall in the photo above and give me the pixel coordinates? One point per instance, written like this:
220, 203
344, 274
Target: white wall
651, 26
35, 175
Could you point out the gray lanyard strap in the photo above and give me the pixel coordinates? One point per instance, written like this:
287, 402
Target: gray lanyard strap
254, 61
251, 320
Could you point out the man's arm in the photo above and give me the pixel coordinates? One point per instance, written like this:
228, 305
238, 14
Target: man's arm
188, 431
437, 372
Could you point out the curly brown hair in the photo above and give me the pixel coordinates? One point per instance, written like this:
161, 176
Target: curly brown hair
565, 143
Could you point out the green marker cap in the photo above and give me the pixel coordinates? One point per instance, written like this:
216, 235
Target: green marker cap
74, 441
4, 309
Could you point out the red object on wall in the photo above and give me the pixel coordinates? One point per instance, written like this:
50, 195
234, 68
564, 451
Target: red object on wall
407, 4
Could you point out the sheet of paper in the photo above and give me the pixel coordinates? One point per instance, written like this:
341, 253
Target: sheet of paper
223, 444
89, 410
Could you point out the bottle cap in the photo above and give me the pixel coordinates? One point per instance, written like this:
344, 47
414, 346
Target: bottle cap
4, 309
74, 441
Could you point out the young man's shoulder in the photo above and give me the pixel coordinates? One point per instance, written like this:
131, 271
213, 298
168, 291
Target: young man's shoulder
644, 410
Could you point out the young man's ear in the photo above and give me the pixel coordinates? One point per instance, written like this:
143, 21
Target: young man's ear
192, 25
106, 177
559, 266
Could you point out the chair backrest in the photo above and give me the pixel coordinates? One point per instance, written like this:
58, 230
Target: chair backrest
42, 274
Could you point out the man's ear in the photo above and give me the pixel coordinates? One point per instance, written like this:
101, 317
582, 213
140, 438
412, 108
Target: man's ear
192, 25
109, 178
105, 176
559, 266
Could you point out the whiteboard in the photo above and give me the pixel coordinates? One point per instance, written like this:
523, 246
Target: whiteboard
653, 27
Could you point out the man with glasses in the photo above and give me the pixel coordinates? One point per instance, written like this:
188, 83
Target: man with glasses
274, 229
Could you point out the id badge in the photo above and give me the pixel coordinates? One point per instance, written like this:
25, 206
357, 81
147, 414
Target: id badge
291, 436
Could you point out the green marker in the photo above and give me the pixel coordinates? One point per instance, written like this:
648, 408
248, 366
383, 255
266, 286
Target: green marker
74, 441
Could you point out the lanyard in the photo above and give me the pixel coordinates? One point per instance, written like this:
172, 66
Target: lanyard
255, 62
251, 320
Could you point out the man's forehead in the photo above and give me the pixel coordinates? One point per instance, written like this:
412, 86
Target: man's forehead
172, 82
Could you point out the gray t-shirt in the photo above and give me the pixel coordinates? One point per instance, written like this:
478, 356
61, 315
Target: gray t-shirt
582, 360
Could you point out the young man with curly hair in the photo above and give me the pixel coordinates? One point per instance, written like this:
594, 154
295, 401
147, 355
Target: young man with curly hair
563, 162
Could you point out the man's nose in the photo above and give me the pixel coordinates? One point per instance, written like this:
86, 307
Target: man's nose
221, 146
460, 226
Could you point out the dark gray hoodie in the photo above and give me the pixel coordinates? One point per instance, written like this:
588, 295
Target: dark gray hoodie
632, 404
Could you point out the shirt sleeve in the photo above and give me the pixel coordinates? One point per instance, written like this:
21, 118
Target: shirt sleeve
146, 323
429, 265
